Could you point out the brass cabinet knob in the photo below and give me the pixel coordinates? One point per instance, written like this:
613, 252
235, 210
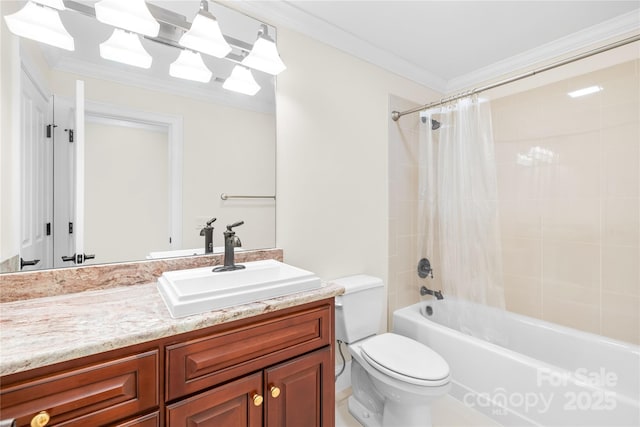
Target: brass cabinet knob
41, 419
275, 391
257, 399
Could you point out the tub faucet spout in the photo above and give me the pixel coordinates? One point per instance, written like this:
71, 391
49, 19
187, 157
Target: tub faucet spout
424, 291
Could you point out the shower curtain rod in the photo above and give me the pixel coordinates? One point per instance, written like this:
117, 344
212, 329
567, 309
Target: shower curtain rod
395, 115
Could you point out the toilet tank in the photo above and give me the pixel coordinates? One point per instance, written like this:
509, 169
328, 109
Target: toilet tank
359, 309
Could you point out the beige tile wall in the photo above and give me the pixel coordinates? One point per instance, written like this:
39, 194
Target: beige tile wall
571, 223
404, 134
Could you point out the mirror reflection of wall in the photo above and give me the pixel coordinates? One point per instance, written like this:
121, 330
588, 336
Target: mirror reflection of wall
127, 181
225, 143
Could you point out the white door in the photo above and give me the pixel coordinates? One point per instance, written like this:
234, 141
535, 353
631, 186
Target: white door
36, 242
64, 159
78, 208
69, 180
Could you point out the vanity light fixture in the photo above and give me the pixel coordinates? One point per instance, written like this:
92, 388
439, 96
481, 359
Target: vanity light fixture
205, 35
264, 54
125, 47
130, 15
190, 66
40, 21
585, 91
241, 80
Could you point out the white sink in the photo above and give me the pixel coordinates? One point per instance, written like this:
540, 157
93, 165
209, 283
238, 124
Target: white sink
187, 292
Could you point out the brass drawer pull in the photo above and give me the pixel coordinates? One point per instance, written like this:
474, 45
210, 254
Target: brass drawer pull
275, 391
257, 399
41, 419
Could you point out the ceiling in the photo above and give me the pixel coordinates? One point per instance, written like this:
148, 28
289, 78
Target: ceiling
450, 45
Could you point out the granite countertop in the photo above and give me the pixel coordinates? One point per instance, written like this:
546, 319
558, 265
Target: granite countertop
42, 331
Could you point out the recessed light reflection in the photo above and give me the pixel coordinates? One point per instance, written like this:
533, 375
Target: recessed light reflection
585, 91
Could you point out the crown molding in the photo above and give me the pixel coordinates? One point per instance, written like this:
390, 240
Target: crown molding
589, 37
286, 14
205, 93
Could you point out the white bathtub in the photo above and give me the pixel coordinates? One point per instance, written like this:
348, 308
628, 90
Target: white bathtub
522, 371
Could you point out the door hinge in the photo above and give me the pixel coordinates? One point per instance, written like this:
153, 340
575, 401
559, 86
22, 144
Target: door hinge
48, 229
50, 130
70, 132
70, 228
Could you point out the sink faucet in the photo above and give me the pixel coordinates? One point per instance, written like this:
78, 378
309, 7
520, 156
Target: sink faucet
231, 241
207, 232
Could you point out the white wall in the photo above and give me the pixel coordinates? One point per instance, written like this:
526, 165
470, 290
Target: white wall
332, 158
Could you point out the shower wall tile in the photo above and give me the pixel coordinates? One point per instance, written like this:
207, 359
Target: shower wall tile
521, 218
620, 160
570, 219
571, 263
571, 292
620, 114
621, 225
621, 270
584, 317
523, 295
403, 209
581, 205
517, 181
620, 317
521, 257
574, 170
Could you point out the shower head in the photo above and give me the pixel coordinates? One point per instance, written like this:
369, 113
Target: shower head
434, 123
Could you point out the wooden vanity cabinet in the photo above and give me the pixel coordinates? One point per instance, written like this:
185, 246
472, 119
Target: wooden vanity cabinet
274, 370
100, 393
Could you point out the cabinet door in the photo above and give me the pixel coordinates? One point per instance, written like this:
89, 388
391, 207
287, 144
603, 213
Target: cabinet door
237, 404
301, 392
151, 420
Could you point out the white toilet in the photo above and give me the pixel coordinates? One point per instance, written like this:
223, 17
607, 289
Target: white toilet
394, 379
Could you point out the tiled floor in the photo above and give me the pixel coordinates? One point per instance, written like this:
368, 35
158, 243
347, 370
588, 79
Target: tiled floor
446, 412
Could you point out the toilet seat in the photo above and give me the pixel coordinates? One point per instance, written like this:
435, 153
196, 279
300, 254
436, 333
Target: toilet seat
406, 360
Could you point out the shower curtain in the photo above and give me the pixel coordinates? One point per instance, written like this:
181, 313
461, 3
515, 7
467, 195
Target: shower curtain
458, 204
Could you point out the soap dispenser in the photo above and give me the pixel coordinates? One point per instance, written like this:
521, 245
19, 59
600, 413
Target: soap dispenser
207, 232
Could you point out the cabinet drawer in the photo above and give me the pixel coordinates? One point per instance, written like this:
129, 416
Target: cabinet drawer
93, 395
222, 356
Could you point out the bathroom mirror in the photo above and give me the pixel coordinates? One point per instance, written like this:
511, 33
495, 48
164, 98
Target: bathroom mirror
159, 150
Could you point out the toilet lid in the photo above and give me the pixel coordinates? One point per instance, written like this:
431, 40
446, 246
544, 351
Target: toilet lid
405, 359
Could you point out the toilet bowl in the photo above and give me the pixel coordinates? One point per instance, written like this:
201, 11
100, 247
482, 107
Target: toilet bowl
394, 379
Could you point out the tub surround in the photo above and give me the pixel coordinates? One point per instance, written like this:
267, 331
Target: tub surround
47, 283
